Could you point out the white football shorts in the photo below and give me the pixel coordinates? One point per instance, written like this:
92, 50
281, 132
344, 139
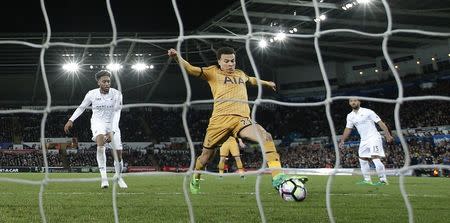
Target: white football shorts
99, 128
371, 147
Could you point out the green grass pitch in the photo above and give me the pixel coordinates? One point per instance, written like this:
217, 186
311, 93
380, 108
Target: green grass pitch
161, 199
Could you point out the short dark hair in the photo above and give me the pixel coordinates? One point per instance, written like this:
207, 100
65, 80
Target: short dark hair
224, 50
102, 73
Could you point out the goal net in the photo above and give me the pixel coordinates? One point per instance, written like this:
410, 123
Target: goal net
249, 37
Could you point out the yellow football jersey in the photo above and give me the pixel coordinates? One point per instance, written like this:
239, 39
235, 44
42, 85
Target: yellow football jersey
227, 86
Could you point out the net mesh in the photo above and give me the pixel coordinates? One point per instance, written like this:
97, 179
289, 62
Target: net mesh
259, 100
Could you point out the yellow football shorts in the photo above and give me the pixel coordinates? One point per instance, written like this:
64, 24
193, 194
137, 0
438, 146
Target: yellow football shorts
222, 127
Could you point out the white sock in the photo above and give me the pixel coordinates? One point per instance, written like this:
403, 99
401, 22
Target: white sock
101, 160
117, 168
121, 166
381, 171
365, 168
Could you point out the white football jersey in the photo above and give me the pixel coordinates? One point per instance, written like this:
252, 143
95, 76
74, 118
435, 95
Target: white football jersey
104, 107
364, 120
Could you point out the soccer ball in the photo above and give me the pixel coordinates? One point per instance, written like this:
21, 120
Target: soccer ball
293, 190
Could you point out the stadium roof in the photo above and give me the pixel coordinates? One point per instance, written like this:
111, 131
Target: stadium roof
87, 22
283, 15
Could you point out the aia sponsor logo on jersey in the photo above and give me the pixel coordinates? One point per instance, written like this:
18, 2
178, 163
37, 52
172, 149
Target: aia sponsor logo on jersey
233, 80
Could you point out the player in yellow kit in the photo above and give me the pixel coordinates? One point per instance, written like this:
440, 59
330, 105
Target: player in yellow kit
230, 118
231, 146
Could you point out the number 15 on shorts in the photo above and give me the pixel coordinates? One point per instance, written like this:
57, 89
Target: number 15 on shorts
376, 149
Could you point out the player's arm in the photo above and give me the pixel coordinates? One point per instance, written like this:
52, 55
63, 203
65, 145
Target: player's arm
192, 70
344, 136
84, 104
375, 118
387, 134
347, 131
268, 84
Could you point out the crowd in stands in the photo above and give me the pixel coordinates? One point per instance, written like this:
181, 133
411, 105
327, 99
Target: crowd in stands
316, 156
32, 158
83, 157
159, 125
422, 151
175, 158
87, 157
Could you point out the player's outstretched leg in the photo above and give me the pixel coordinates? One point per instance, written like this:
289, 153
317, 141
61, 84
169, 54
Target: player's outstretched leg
272, 156
101, 160
365, 169
200, 165
381, 171
118, 166
116, 145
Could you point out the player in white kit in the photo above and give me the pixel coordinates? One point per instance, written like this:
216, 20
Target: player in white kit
106, 107
371, 145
